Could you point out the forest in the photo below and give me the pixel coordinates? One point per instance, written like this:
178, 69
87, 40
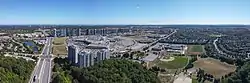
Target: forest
108, 71
242, 75
15, 70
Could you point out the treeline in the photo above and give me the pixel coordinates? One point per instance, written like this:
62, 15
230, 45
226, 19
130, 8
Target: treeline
213, 53
108, 71
183, 42
13, 70
242, 75
202, 77
190, 62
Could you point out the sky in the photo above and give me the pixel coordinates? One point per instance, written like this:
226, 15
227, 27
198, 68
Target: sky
124, 12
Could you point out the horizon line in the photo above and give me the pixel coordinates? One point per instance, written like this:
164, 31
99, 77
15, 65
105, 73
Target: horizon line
123, 24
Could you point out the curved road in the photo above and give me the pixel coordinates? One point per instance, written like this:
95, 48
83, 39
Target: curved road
216, 47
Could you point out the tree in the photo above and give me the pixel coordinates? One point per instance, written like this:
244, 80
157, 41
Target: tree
56, 67
126, 55
155, 68
15, 70
107, 71
241, 75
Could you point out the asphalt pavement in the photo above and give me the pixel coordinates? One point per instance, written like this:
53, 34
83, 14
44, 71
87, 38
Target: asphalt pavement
42, 71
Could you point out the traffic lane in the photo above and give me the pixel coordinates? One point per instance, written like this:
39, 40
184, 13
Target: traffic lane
39, 67
46, 50
46, 71
37, 72
48, 68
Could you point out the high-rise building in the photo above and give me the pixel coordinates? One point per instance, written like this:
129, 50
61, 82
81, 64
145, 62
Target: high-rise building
73, 51
79, 32
60, 32
76, 32
102, 54
90, 31
87, 56
54, 33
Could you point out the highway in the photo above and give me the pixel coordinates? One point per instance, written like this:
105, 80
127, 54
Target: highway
42, 70
151, 44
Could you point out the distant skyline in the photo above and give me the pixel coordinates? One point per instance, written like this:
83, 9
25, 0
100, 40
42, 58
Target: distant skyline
114, 12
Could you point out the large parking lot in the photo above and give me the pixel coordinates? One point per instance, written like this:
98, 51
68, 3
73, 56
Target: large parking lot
124, 44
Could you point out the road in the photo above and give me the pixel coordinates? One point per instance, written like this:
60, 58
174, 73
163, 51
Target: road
216, 47
42, 71
16, 56
151, 44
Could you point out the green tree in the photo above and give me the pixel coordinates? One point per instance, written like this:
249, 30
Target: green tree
109, 71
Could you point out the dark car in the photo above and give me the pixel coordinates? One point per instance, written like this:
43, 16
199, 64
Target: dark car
34, 78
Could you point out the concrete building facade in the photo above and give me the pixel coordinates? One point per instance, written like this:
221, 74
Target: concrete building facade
73, 51
87, 56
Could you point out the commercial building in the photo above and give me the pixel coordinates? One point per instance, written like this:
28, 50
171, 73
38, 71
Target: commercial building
175, 48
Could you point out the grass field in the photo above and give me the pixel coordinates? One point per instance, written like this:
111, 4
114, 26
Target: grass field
214, 67
195, 81
178, 62
59, 46
195, 49
59, 41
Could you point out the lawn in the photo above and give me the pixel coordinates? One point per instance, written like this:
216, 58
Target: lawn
59, 49
195, 81
59, 41
195, 49
214, 67
178, 62
59, 46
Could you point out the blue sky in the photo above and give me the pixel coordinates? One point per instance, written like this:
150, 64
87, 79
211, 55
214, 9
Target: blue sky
125, 12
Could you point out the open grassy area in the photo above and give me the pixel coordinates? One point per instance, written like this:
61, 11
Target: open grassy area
59, 41
61, 50
59, 46
214, 67
195, 81
195, 49
178, 62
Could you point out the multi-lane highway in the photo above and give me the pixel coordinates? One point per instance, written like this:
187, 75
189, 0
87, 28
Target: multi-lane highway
42, 71
151, 44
